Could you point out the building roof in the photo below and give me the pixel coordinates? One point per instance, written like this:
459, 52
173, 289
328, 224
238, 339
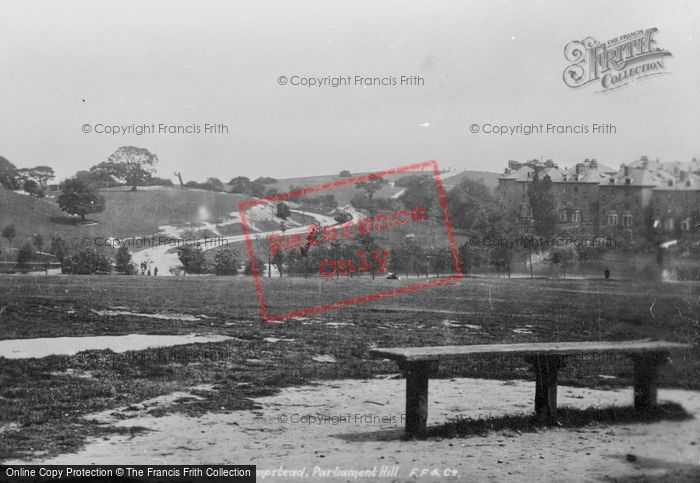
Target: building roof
690, 183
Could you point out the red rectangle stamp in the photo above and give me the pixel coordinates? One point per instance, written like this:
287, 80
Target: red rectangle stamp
396, 223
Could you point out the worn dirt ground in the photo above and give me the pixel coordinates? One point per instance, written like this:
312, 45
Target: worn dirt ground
356, 425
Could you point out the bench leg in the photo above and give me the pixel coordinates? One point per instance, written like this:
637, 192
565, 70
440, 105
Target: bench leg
646, 378
546, 370
417, 374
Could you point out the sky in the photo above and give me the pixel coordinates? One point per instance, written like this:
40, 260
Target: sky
75, 63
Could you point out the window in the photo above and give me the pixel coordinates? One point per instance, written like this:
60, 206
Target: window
575, 189
523, 211
562, 215
612, 218
577, 216
668, 224
685, 224
626, 219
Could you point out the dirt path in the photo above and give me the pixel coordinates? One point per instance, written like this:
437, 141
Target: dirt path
355, 425
164, 257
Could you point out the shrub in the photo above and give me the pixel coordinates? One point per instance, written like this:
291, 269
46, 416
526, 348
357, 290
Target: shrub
226, 262
192, 259
25, 255
123, 263
259, 264
86, 262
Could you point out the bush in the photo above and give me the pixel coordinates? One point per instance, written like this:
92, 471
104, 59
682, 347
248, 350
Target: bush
86, 262
192, 259
226, 262
265, 180
123, 263
283, 211
259, 264
25, 255
155, 181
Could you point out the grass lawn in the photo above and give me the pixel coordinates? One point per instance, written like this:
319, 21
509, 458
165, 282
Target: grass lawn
44, 399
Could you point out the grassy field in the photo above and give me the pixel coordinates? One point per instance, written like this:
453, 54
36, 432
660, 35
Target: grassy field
44, 400
126, 213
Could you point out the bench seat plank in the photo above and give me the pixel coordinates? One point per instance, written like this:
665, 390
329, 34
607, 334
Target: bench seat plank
436, 353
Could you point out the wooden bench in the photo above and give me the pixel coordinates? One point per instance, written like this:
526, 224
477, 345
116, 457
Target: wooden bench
419, 363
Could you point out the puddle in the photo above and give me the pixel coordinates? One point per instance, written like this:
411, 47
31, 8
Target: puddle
274, 339
68, 346
522, 331
179, 317
451, 323
73, 373
324, 358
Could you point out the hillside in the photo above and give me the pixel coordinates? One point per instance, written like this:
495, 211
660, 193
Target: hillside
488, 178
127, 213
344, 193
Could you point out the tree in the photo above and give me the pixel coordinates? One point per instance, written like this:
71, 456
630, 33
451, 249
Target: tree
78, 198
471, 256
130, 165
8, 175
471, 205
25, 255
192, 259
86, 262
562, 256
345, 174
58, 247
312, 237
9, 232
226, 262
259, 266
265, 180
244, 186
43, 174
369, 245
420, 191
179, 177
283, 211
215, 184
30, 186
38, 241
122, 261
371, 185
341, 216
543, 204
96, 178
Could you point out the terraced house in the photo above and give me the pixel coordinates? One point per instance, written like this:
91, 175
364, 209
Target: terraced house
595, 195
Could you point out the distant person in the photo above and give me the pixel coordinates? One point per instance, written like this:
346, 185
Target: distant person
155, 272
149, 272
607, 273
46, 268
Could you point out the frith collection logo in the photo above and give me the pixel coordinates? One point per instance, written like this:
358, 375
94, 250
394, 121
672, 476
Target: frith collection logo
615, 63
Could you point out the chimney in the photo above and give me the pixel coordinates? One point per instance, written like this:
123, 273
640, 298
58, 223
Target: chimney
594, 164
627, 170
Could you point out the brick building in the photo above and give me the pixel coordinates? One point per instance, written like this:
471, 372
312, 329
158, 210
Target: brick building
596, 195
